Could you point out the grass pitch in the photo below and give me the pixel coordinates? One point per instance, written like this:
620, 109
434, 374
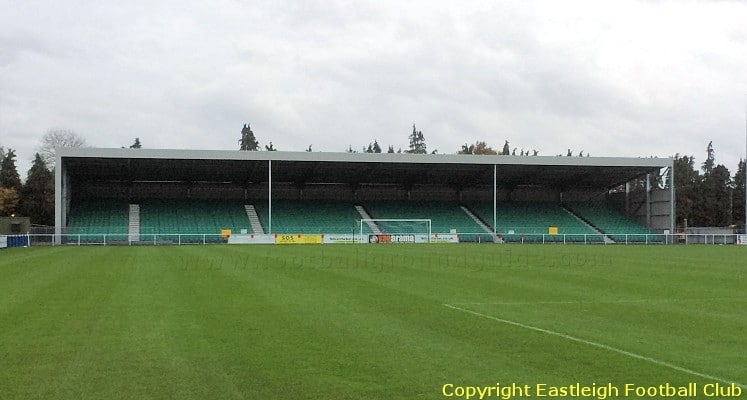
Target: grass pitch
366, 322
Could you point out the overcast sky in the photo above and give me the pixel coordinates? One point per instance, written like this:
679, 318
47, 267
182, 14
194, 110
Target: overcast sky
613, 78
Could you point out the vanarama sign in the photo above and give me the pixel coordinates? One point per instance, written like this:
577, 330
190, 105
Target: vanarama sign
391, 238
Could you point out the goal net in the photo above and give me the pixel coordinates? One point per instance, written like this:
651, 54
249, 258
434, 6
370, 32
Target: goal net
395, 227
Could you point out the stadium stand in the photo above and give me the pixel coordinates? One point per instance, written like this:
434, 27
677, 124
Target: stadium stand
313, 216
517, 221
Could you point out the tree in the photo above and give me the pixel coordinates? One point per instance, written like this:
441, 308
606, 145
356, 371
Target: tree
270, 147
376, 147
309, 149
248, 142
710, 159
713, 201
391, 149
137, 144
738, 195
479, 148
467, 149
9, 177
417, 142
57, 138
506, 150
686, 182
37, 195
8, 201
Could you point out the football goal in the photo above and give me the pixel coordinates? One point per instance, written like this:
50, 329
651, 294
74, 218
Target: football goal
395, 227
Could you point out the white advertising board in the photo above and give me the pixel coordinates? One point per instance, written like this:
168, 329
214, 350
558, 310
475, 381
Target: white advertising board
251, 239
339, 238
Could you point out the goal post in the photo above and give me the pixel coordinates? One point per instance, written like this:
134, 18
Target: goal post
396, 226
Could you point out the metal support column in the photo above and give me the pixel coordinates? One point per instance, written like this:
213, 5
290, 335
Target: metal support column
495, 198
648, 200
672, 215
627, 198
269, 196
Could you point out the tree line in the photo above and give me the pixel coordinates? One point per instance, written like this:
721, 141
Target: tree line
709, 195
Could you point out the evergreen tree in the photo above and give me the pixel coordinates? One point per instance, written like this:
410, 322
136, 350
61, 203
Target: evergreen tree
137, 144
368, 149
714, 197
738, 195
376, 147
9, 177
391, 149
417, 142
37, 196
248, 142
270, 147
686, 182
710, 159
506, 150
309, 149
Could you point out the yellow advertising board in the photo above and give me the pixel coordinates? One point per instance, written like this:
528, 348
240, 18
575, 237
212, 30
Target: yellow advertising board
298, 239
553, 230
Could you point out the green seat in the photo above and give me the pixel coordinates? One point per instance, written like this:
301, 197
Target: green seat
96, 221
614, 223
444, 216
529, 221
192, 219
310, 217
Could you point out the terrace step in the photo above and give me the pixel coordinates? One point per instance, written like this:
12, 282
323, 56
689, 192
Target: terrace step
133, 226
365, 215
251, 213
485, 227
607, 239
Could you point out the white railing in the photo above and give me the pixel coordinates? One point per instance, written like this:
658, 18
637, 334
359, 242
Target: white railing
476, 237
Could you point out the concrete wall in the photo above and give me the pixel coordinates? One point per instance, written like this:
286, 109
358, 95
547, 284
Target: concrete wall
659, 209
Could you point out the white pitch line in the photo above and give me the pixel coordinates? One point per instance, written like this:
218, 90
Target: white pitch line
621, 301
598, 345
